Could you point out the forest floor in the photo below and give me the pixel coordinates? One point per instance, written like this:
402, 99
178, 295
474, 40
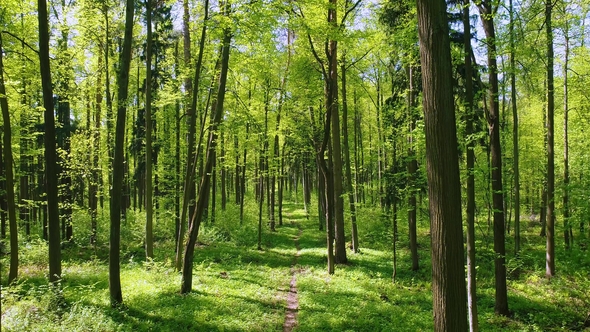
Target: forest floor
285, 286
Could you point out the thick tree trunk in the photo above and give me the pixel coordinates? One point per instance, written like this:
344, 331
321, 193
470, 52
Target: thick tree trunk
50, 151
9, 176
149, 204
187, 268
336, 151
444, 191
116, 297
501, 305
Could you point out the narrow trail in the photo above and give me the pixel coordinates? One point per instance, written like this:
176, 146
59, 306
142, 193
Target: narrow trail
292, 299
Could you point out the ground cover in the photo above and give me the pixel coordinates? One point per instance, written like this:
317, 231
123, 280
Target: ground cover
239, 288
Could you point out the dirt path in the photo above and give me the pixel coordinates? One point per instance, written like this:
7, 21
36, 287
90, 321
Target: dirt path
292, 299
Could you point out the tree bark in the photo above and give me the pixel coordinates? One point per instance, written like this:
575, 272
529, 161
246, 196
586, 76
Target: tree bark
487, 10
515, 150
9, 176
444, 191
189, 178
412, 168
336, 151
470, 118
116, 297
196, 219
567, 232
149, 204
349, 191
50, 151
550, 257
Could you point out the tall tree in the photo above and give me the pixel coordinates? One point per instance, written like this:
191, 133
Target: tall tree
448, 277
149, 204
567, 232
412, 168
471, 265
9, 176
116, 296
336, 149
515, 151
488, 10
197, 217
50, 151
550, 258
189, 177
345, 146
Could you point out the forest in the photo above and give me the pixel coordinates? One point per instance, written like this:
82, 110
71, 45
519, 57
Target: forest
295, 165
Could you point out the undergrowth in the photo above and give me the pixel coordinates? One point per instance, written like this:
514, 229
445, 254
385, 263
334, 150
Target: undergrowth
239, 288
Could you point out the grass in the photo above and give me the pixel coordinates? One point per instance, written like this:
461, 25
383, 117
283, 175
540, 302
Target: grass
239, 288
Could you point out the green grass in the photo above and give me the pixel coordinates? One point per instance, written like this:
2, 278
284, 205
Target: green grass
239, 288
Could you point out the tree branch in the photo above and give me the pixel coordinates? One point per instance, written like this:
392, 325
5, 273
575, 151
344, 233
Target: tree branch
348, 11
20, 40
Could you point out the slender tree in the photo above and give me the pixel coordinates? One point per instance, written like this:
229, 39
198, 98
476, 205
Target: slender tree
488, 10
550, 257
187, 268
444, 191
149, 204
471, 265
515, 151
116, 296
189, 177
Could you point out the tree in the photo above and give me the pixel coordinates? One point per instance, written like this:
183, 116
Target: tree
9, 176
444, 191
487, 10
149, 204
471, 265
515, 151
189, 179
550, 259
50, 151
116, 296
197, 217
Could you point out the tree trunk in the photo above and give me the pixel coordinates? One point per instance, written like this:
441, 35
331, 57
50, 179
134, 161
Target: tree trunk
501, 305
470, 118
9, 176
50, 151
243, 177
412, 168
550, 261
349, 192
149, 204
187, 269
191, 160
566, 170
3, 198
93, 188
261, 197
444, 191
223, 171
116, 297
515, 151
336, 151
